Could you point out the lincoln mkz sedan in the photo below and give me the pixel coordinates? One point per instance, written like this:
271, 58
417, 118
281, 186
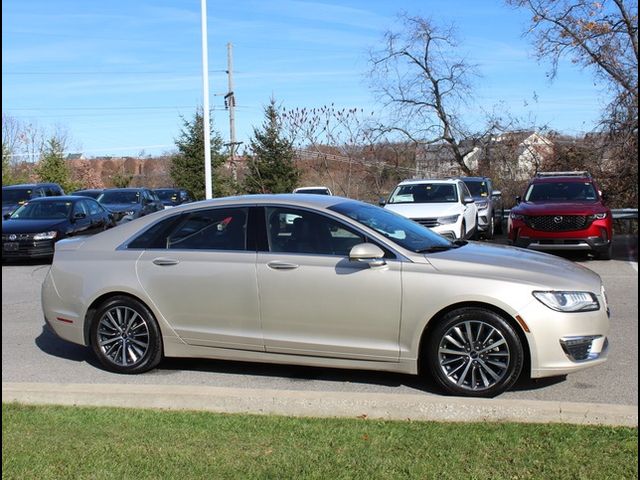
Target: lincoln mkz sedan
344, 284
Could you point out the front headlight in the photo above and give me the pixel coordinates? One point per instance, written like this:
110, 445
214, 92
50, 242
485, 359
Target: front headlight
130, 212
568, 301
45, 236
448, 220
597, 216
516, 216
482, 204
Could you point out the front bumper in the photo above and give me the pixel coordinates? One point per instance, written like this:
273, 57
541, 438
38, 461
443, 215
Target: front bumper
596, 237
561, 343
27, 249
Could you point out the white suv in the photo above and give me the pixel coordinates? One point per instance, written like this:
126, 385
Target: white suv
445, 206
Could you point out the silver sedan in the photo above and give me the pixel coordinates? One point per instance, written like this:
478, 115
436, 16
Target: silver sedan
323, 281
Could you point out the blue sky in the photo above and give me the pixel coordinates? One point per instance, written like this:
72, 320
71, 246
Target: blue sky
117, 75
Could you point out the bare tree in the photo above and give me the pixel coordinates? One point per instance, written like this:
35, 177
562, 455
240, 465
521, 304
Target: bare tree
347, 150
426, 83
602, 36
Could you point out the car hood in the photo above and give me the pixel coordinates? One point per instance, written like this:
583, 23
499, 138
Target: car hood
513, 264
31, 226
425, 210
560, 208
121, 207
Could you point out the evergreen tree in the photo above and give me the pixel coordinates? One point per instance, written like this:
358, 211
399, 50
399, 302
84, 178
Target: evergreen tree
271, 167
187, 166
52, 166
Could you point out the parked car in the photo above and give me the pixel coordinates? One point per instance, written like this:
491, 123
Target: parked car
446, 206
15, 195
314, 190
172, 197
350, 285
130, 203
489, 203
90, 192
32, 230
562, 211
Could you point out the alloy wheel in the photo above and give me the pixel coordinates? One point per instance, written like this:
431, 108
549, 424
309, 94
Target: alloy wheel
474, 355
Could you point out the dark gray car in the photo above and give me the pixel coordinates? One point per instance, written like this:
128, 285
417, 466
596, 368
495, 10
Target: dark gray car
130, 203
489, 203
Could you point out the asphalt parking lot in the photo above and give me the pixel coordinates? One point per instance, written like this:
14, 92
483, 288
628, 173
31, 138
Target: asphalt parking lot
31, 353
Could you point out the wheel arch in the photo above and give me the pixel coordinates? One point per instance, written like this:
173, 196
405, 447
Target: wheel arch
91, 311
435, 319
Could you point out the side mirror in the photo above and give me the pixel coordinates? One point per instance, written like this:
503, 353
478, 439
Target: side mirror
6, 216
79, 216
518, 199
496, 193
367, 253
382, 202
467, 200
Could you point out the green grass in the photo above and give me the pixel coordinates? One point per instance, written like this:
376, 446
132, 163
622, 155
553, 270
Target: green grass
44, 442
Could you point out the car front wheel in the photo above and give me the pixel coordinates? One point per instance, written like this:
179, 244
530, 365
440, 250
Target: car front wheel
474, 352
125, 336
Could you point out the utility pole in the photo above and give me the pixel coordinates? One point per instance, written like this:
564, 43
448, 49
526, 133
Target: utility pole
208, 187
230, 104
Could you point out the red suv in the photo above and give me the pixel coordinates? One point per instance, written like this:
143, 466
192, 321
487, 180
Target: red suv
562, 211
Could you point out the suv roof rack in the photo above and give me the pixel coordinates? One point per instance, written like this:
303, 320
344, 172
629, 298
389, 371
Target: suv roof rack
582, 173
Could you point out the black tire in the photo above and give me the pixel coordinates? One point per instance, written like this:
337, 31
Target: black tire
460, 357
463, 231
499, 228
125, 336
490, 229
605, 253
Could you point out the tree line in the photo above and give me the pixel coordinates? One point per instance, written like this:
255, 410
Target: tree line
425, 86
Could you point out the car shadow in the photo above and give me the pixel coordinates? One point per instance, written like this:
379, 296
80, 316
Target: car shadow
26, 262
49, 343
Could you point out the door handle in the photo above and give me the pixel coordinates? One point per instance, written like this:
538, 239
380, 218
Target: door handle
276, 265
163, 262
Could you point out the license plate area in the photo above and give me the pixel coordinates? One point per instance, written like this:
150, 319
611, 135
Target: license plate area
10, 247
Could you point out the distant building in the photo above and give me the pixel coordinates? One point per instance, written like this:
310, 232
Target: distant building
514, 154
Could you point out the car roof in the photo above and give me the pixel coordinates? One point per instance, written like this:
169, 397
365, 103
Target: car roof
562, 178
64, 198
293, 199
474, 179
430, 180
125, 189
29, 185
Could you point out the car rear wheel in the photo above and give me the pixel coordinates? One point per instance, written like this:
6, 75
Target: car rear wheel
125, 336
490, 229
474, 352
499, 228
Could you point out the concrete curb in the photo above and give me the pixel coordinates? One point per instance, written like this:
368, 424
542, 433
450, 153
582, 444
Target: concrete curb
321, 404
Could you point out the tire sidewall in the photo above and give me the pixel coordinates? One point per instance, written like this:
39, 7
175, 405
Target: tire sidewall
152, 356
475, 313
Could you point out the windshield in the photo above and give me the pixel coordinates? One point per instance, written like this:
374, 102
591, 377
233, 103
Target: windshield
561, 192
119, 197
55, 209
16, 195
170, 195
477, 189
425, 193
395, 227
